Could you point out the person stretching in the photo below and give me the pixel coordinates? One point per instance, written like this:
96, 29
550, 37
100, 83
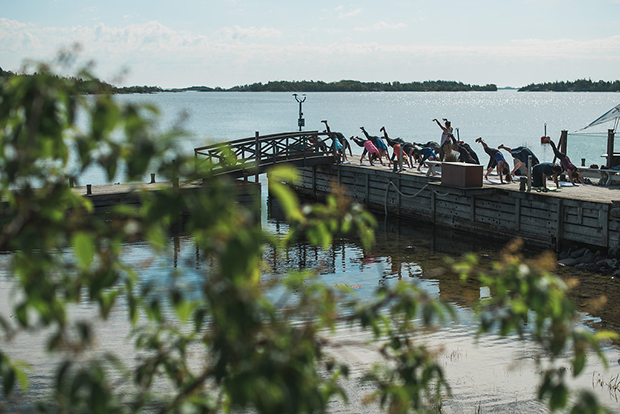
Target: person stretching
520, 154
339, 138
426, 153
447, 139
496, 159
369, 148
379, 144
397, 145
569, 167
541, 171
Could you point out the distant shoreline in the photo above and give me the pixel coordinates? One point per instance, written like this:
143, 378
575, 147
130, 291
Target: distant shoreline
95, 86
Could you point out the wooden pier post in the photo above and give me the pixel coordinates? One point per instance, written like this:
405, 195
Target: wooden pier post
563, 144
610, 148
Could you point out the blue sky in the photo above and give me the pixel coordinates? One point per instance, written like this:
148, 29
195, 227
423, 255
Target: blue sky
233, 42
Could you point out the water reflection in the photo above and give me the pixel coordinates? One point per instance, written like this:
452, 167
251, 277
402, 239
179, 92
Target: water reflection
494, 374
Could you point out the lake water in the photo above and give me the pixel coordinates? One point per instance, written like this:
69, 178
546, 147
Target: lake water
496, 374
504, 117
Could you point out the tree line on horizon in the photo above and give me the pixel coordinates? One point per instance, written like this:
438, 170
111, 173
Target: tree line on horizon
580, 85
97, 86
358, 86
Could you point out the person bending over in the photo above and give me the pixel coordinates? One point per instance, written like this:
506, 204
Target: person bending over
426, 153
496, 159
543, 170
567, 165
369, 148
520, 154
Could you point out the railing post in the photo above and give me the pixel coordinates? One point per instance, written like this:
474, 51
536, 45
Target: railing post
257, 154
304, 141
529, 173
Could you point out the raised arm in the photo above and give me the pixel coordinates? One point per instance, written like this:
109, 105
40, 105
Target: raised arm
443, 128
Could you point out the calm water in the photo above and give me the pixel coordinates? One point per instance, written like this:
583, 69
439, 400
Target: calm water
494, 375
504, 117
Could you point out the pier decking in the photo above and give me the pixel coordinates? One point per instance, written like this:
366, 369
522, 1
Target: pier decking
571, 214
107, 195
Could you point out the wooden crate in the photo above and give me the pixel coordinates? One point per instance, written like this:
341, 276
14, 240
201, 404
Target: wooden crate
458, 174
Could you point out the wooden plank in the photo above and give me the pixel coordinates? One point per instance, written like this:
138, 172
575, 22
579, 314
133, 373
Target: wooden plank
517, 214
537, 213
527, 228
498, 206
585, 222
577, 230
604, 218
535, 204
559, 224
448, 209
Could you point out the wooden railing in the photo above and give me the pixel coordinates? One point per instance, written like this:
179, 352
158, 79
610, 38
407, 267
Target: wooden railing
254, 155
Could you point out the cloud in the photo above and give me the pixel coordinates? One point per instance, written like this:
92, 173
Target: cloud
17, 37
11, 24
380, 26
237, 32
158, 54
345, 15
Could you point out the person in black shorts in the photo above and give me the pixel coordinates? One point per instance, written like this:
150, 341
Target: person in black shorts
542, 171
520, 154
496, 159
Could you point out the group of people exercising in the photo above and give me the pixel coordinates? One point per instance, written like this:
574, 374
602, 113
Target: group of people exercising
375, 149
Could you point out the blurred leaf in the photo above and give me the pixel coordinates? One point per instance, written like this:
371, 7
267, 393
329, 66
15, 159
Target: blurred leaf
84, 248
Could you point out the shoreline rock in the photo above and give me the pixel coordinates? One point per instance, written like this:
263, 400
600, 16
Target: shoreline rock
592, 261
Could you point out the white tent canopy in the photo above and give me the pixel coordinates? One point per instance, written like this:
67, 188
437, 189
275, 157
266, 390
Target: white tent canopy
612, 115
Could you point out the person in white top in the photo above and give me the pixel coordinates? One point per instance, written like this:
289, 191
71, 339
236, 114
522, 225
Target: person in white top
447, 138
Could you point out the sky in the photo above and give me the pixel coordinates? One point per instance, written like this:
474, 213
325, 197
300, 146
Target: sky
224, 43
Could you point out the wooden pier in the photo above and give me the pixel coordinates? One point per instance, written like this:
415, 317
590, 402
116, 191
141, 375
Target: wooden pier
582, 214
105, 196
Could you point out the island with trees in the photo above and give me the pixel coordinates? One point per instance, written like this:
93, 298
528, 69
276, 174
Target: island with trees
580, 85
95, 86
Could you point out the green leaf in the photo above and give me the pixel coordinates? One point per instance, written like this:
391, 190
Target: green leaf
84, 249
559, 397
106, 302
579, 362
184, 309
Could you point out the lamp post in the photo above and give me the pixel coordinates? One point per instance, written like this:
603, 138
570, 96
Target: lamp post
300, 121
